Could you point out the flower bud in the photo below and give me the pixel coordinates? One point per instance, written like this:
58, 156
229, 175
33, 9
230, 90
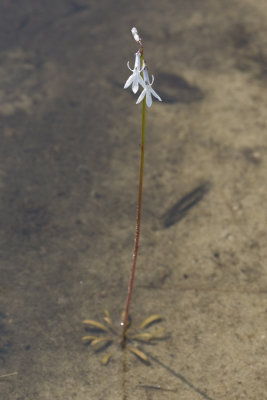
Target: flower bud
135, 34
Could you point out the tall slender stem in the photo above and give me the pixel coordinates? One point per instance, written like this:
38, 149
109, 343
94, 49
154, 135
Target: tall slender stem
138, 219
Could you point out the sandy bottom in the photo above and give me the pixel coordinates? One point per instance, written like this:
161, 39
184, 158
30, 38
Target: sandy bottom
69, 157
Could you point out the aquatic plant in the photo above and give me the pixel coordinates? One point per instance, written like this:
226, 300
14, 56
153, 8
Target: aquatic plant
139, 76
103, 335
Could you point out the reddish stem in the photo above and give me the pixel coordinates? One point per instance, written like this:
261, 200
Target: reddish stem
138, 222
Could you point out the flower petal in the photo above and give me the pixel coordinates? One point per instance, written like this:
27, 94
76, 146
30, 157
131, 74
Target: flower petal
128, 65
145, 72
129, 81
142, 95
137, 63
135, 85
155, 94
148, 98
141, 81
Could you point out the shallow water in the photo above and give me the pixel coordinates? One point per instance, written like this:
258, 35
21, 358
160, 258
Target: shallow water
69, 175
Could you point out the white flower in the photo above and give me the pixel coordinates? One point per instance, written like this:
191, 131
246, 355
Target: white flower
135, 34
135, 78
147, 91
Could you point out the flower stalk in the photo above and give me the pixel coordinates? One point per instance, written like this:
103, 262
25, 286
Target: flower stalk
139, 76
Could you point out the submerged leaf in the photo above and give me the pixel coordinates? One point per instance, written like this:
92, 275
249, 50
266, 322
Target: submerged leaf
102, 340
88, 338
150, 320
139, 354
95, 325
158, 334
105, 359
143, 337
107, 318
